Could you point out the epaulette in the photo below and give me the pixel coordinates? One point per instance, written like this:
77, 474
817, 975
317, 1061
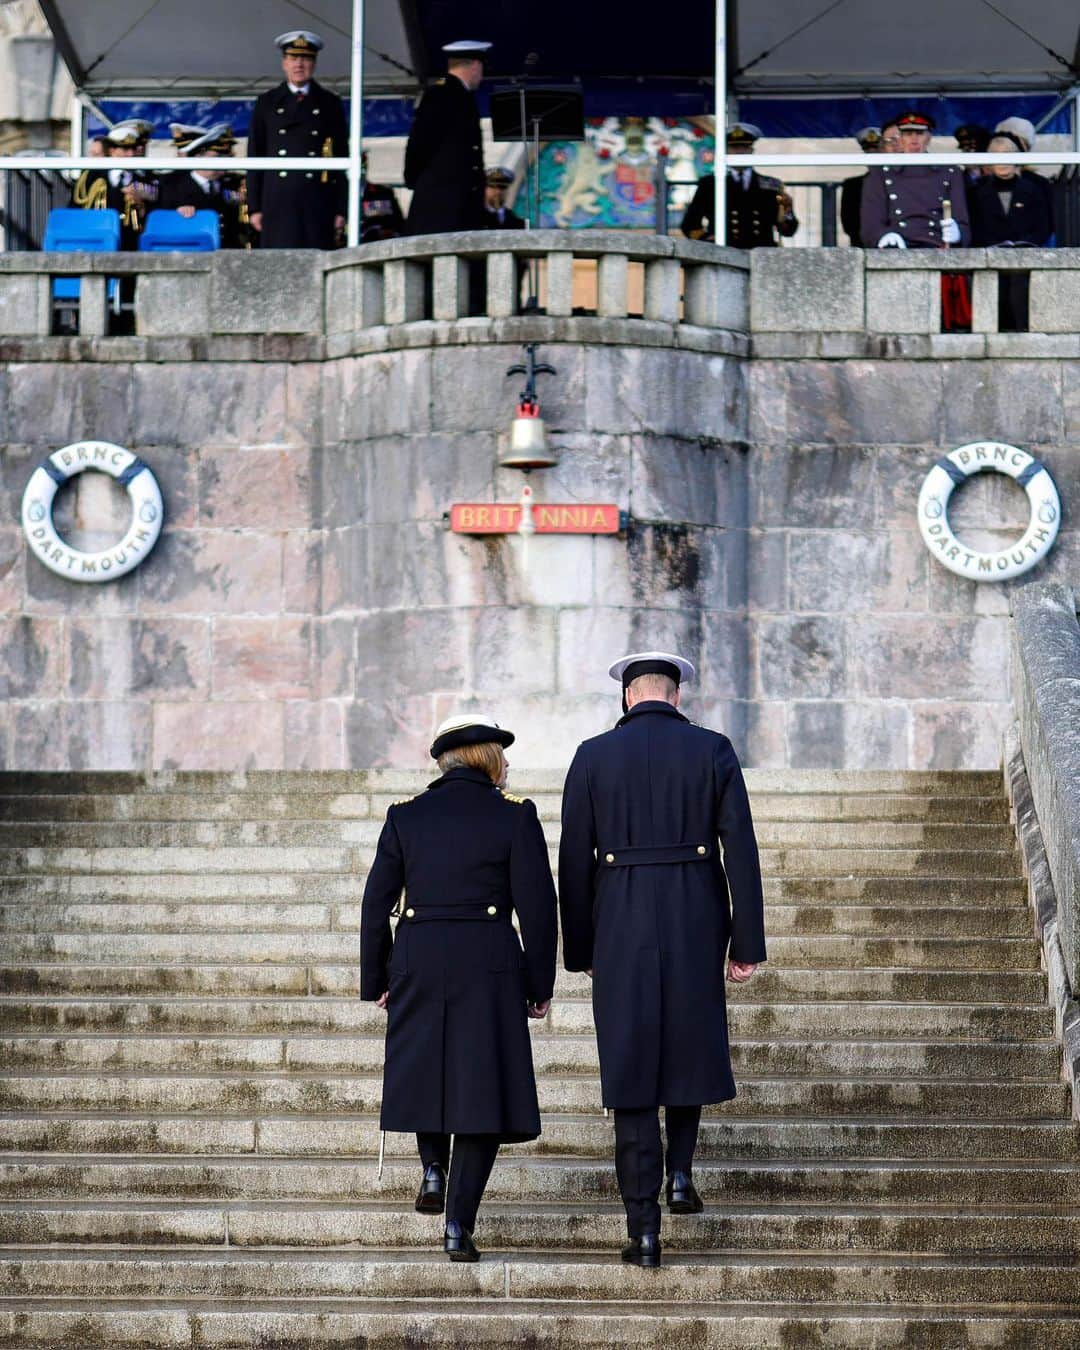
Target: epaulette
520, 801
404, 801
441, 80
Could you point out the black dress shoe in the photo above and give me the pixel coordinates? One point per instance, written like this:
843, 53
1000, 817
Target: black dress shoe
682, 1196
458, 1243
432, 1194
643, 1251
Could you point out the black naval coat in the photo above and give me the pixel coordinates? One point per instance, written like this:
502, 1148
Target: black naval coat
909, 200
753, 212
458, 1053
851, 209
444, 161
298, 209
1029, 219
643, 893
504, 219
181, 189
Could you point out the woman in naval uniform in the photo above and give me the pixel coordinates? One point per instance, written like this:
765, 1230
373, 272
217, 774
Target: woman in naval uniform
457, 984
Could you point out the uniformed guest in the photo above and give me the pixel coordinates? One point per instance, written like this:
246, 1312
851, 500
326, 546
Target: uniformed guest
758, 208
206, 189
914, 205
643, 892
498, 214
129, 191
302, 120
870, 143
382, 218
457, 984
444, 158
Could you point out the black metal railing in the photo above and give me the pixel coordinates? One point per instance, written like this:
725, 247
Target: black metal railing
29, 196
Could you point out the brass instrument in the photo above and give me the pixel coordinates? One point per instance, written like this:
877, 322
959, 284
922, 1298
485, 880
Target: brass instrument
327, 153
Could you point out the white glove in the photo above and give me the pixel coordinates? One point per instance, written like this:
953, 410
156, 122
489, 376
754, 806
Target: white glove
892, 240
950, 231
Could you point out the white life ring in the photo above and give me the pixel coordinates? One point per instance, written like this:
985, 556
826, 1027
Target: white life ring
147, 511
978, 457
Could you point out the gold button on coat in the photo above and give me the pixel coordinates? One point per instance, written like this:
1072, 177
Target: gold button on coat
409, 913
702, 849
609, 857
492, 910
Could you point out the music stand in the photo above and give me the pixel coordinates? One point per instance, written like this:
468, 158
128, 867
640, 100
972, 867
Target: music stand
549, 112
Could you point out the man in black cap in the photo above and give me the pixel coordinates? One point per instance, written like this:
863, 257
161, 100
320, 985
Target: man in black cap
444, 159
758, 208
498, 214
206, 189
914, 205
298, 119
643, 892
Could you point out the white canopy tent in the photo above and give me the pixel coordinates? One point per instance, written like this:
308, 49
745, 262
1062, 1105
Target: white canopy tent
213, 48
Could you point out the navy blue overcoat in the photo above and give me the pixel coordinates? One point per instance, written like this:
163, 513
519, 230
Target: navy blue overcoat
644, 897
458, 1054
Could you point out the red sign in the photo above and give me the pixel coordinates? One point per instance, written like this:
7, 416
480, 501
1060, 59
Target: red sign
548, 518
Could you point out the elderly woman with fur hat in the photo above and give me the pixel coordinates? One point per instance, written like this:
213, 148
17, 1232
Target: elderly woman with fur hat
457, 863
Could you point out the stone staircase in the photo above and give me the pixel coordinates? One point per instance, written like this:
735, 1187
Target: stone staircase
189, 1091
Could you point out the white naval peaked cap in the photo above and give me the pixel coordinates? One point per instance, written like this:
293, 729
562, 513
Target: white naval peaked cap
660, 663
206, 138
468, 729
305, 42
467, 47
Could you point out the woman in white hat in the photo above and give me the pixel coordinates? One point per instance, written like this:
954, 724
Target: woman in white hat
456, 982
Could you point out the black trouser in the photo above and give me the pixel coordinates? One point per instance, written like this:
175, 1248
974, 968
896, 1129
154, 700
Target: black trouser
639, 1158
474, 1157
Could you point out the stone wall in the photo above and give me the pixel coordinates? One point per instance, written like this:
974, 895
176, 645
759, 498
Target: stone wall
307, 606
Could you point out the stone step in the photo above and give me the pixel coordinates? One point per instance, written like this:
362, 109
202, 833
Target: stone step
918, 984
314, 916
554, 1054
397, 782
831, 951
289, 1016
329, 887
499, 1324
241, 806
859, 1277
929, 1229
771, 834
70, 1130
533, 1180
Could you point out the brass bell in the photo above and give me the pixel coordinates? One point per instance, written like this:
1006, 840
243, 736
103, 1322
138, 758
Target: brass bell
529, 447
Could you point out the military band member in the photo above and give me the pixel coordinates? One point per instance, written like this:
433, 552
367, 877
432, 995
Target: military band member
870, 143
498, 215
457, 985
643, 892
206, 189
302, 120
758, 208
914, 205
444, 158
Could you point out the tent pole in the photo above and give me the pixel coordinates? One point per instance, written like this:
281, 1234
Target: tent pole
78, 123
356, 123
720, 124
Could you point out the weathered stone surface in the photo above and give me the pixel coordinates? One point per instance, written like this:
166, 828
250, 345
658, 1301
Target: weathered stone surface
262, 658
1015, 401
31, 661
511, 651
903, 302
380, 395
958, 735
122, 658
1054, 297
53, 404
218, 735
824, 487
851, 402
315, 735
172, 304
212, 572
254, 488
430, 651
800, 657
850, 572
698, 481
24, 305
670, 393
266, 291
792, 290
587, 635
209, 404
908, 657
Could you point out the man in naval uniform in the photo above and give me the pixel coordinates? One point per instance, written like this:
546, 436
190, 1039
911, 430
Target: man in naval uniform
758, 208
298, 119
497, 215
129, 191
206, 189
914, 205
643, 892
444, 159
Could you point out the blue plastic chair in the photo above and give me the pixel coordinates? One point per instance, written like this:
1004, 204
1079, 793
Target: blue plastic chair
170, 232
71, 230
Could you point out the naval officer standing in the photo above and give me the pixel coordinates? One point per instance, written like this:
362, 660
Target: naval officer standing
644, 896
301, 120
444, 159
457, 984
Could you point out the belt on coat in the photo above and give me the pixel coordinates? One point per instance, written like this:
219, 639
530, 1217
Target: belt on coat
471, 910
654, 853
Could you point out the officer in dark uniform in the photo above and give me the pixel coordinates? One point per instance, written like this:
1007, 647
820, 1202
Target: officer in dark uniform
454, 980
444, 159
121, 187
298, 119
870, 142
914, 205
758, 208
206, 189
643, 892
381, 215
498, 215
